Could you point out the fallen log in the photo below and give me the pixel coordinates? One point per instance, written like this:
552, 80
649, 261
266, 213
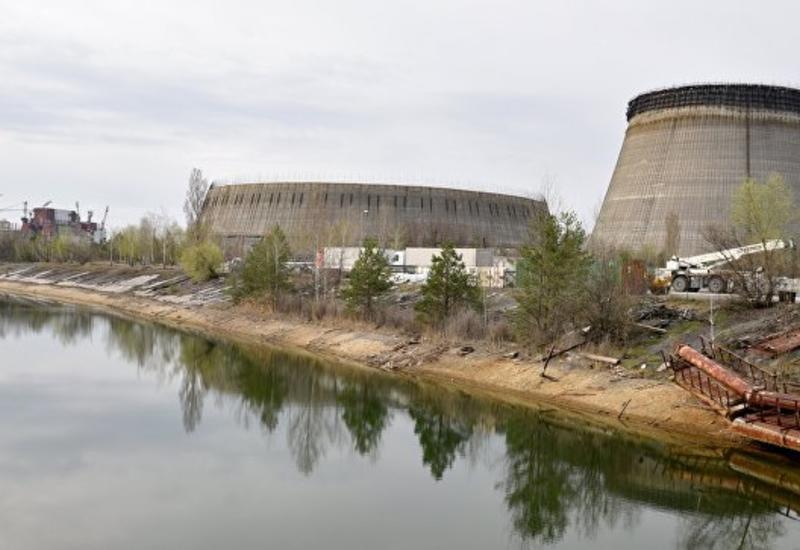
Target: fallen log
601, 358
653, 329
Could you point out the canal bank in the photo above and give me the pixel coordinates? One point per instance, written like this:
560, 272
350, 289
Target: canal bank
653, 408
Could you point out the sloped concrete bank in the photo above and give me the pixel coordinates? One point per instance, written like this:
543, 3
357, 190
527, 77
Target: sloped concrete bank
654, 409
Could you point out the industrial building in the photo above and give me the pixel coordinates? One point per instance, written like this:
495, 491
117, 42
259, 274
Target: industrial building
685, 152
53, 222
314, 215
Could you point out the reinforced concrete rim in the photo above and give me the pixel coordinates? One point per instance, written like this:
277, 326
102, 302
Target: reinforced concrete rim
538, 197
740, 96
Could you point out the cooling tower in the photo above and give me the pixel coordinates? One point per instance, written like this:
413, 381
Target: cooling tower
317, 214
686, 150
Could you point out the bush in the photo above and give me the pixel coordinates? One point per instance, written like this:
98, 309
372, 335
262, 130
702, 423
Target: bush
202, 261
500, 331
465, 324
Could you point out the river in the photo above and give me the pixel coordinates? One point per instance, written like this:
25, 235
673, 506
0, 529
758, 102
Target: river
120, 434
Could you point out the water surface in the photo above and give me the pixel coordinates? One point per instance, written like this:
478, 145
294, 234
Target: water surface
117, 434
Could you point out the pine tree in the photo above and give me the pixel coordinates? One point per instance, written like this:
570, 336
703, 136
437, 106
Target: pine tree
552, 277
265, 270
369, 279
449, 286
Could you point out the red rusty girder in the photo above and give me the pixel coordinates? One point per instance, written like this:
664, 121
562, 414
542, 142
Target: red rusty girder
770, 399
781, 343
728, 379
768, 433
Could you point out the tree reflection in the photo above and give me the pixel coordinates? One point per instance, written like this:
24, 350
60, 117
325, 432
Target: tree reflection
748, 526
537, 486
263, 392
67, 324
441, 436
365, 415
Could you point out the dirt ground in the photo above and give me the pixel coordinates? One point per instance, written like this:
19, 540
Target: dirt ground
654, 408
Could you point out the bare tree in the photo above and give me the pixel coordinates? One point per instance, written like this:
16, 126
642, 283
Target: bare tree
672, 234
193, 206
760, 212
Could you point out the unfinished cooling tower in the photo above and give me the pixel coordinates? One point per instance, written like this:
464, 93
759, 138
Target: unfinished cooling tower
314, 214
686, 150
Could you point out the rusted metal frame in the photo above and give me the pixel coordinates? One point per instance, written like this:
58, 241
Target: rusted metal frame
743, 366
781, 401
730, 380
781, 343
706, 389
767, 433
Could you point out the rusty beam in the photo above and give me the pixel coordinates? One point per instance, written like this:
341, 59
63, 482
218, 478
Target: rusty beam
767, 433
770, 399
723, 376
781, 343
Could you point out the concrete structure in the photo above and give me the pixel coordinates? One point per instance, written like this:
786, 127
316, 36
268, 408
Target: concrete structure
414, 264
686, 150
341, 214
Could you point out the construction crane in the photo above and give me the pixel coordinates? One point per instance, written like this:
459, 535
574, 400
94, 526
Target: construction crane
702, 271
103, 222
48, 203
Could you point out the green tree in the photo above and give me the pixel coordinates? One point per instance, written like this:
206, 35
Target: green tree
202, 260
265, 269
369, 279
762, 211
552, 278
447, 288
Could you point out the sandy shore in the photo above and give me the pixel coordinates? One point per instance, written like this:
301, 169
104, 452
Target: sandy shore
656, 409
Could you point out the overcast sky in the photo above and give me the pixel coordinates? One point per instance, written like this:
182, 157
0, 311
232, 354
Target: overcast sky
113, 102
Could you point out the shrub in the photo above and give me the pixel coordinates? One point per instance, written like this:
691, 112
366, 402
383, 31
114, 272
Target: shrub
465, 324
202, 261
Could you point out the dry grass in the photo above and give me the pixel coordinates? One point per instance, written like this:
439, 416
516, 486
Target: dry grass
465, 324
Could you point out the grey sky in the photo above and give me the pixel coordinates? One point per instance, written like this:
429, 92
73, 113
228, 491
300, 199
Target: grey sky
114, 102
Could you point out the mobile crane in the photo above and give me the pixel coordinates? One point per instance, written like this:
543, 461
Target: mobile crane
705, 271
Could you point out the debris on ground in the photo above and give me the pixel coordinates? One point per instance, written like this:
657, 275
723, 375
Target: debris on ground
657, 314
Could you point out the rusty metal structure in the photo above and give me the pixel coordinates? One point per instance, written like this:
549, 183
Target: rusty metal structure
316, 214
760, 405
686, 150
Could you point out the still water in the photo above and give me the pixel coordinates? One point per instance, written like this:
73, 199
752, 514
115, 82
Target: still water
117, 434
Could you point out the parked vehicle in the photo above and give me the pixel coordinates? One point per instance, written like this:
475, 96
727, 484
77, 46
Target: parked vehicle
707, 271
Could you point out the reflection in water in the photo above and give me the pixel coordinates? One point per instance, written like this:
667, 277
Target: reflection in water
554, 478
440, 435
365, 414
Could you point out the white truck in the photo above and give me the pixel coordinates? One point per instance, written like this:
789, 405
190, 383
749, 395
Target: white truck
706, 271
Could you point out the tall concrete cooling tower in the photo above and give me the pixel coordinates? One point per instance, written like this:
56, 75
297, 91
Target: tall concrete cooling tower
686, 150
